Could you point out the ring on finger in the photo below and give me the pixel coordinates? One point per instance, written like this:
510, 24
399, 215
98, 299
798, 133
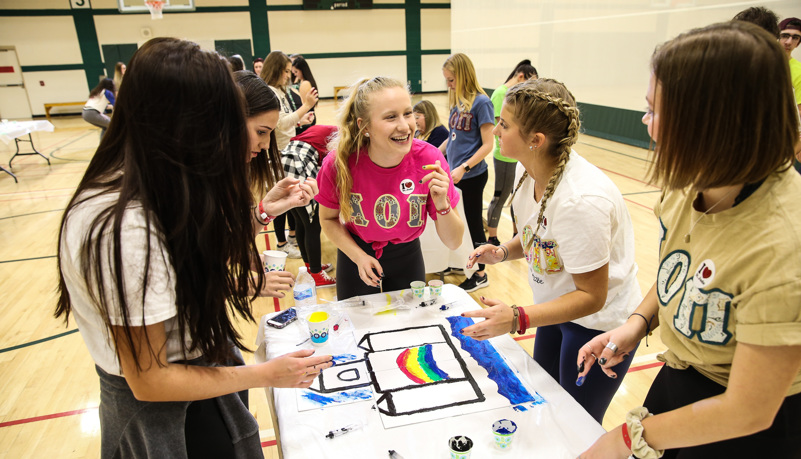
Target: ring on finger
612, 347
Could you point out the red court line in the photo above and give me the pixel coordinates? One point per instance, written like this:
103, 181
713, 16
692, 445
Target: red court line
638, 204
646, 366
521, 338
46, 417
267, 443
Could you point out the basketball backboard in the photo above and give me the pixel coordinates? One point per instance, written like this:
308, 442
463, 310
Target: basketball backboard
138, 6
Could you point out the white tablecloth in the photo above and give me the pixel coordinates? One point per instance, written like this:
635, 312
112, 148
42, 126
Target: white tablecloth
559, 428
13, 129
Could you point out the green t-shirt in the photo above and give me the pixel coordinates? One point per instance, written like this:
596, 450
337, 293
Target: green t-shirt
497, 102
795, 76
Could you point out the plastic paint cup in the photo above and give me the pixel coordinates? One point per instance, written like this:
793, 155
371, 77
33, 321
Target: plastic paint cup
274, 260
435, 287
318, 327
503, 431
418, 289
460, 447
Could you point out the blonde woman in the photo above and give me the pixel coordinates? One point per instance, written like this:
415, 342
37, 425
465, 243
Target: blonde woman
378, 190
429, 128
471, 121
576, 236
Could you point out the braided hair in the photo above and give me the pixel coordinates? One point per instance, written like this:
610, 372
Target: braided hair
546, 106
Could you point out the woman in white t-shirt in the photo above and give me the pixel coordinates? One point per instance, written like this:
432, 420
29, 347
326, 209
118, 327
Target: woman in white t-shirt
154, 257
576, 235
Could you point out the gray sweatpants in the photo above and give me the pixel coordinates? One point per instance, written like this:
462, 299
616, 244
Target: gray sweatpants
94, 117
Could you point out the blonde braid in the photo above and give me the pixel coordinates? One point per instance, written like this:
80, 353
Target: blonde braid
533, 103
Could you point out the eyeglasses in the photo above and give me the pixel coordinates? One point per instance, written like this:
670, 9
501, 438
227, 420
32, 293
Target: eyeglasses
789, 36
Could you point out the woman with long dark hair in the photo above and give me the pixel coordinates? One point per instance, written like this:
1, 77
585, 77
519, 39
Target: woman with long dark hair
155, 251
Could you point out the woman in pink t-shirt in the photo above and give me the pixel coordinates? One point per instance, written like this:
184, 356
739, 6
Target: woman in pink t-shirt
382, 183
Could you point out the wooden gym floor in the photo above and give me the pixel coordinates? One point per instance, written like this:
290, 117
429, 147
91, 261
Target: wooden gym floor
49, 388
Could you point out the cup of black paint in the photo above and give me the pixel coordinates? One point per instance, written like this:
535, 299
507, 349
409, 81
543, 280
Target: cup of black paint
460, 447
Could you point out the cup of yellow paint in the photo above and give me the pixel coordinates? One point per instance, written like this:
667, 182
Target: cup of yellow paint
318, 327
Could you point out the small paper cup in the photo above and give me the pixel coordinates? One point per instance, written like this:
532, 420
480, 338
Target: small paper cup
274, 260
503, 431
318, 323
460, 447
418, 289
435, 288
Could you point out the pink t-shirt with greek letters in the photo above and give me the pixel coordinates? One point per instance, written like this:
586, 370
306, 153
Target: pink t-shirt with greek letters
387, 202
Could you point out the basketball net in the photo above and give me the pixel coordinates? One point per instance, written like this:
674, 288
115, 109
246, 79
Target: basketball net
155, 7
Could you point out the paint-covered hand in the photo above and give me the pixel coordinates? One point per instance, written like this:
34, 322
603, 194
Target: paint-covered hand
276, 283
297, 369
498, 320
487, 254
370, 270
288, 193
438, 184
624, 339
609, 446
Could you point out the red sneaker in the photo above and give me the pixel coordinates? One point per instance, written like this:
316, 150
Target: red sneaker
322, 279
327, 267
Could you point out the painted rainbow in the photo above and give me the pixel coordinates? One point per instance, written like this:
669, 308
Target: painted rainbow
418, 364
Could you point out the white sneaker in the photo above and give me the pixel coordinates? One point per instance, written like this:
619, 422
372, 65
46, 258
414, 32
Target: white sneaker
291, 250
292, 240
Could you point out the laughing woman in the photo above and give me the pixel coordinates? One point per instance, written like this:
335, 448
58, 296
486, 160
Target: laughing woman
384, 185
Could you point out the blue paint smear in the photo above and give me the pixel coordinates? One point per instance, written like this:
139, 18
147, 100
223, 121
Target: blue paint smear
432, 365
342, 358
485, 354
339, 397
521, 408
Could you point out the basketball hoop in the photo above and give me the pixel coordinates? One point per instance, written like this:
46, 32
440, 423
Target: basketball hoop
155, 7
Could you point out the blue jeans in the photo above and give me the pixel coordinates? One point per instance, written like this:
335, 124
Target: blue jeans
556, 349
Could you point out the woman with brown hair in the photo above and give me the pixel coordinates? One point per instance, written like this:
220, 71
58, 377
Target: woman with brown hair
429, 127
727, 296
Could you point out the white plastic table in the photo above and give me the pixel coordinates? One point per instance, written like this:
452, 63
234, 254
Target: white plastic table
559, 428
14, 130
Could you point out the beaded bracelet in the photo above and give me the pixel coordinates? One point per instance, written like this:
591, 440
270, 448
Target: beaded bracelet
648, 331
514, 321
505, 252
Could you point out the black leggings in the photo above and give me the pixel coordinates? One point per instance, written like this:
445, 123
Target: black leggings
402, 264
308, 236
279, 226
473, 196
676, 388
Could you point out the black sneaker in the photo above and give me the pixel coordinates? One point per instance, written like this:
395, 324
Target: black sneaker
494, 241
452, 271
475, 283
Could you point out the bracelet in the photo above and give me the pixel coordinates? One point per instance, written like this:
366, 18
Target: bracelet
524, 323
639, 447
262, 217
648, 331
626, 437
505, 252
444, 211
517, 316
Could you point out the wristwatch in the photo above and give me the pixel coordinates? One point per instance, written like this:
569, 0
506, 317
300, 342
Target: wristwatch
466, 167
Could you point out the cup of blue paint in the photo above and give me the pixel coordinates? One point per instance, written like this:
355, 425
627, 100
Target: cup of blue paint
503, 431
460, 446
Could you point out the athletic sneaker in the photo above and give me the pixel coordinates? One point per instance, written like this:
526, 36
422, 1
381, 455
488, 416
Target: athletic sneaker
475, 283
292, 240
322, 279
452, 271
494, 241
327, 267
291, 250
